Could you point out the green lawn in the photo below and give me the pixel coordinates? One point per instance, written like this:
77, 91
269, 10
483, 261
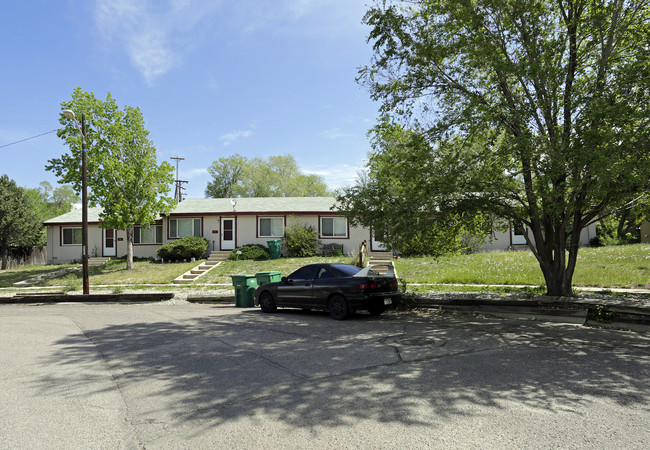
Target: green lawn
10, 276
114, 272
616, 266
606, 267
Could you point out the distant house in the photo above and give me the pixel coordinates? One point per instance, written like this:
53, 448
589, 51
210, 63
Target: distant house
514, 239
228, 224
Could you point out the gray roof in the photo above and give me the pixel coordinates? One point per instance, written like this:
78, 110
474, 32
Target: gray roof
224, 206
255, 205
74, 216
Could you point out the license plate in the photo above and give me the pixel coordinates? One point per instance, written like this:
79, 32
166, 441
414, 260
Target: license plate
388, 301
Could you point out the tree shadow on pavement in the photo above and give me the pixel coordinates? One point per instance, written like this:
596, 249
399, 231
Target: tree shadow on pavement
309, 371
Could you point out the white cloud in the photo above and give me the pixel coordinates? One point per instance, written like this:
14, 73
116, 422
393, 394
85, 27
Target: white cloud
304, 17
334, 134
229, 138
154, 37
192, 173
337, 176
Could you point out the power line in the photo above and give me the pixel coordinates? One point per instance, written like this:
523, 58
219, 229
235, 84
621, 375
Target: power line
27, 139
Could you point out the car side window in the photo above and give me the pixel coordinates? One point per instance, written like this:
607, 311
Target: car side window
304, 273
324, 273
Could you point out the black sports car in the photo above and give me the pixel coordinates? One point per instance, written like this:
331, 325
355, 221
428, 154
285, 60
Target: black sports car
340, 289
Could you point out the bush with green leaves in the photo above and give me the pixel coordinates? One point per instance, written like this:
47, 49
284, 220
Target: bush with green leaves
185, 248
300, 240
255, 252
607, 234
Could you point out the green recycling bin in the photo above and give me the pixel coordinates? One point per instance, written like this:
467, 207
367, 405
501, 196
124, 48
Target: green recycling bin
270, 276
274, 248
245, 286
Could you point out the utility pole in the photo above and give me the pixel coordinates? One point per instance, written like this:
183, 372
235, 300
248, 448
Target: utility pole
178, 196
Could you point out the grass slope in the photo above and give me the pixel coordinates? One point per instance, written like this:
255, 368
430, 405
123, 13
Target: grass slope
606, 267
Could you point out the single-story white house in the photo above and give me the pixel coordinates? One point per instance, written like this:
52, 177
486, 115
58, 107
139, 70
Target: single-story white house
226, 224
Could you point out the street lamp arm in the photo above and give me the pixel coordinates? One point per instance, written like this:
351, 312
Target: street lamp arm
69, 114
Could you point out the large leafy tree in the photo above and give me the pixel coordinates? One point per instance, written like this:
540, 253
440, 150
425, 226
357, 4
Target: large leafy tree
19, 223
557, 91
277, 176
124, 178
51, 202
400, 195
226, 173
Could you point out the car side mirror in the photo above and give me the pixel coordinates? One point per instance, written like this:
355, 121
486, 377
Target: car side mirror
285, 280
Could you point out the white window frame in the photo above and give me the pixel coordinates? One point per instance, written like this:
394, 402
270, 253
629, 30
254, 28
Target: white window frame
272, 219
137, 232
196, 227
76, 231
334, 235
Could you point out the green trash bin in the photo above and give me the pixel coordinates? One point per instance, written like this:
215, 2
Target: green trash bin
270, 276
274, 248
245, 286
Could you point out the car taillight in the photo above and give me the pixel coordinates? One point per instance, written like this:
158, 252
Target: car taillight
393, 285
365, 286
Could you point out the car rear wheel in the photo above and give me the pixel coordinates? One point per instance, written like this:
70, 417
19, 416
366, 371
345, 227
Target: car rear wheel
267, 302
338, 307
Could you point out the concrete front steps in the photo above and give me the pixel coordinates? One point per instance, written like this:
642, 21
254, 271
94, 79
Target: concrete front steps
213, 261
381, 258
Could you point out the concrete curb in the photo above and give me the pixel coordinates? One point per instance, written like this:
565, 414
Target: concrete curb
91, 298
622, 314
609, 313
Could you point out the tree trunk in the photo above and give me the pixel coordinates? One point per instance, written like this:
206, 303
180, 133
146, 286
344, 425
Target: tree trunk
4, 255
129, 248
556, 262
558, 284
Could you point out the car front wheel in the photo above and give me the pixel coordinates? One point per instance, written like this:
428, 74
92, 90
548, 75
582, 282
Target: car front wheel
267, 302
338, 307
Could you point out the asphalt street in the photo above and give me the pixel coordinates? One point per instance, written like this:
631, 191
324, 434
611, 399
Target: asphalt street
182, 375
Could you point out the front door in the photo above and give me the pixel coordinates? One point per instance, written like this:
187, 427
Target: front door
227, 234
109, 243
376, 244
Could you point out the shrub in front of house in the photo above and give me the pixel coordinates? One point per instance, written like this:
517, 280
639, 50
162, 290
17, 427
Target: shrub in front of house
185, 248
300, 240
255, 252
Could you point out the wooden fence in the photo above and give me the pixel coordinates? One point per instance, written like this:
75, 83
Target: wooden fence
24, 257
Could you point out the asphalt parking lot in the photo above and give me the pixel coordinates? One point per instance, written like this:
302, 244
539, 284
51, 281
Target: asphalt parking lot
182, 375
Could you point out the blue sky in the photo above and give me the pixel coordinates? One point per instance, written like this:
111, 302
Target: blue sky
212, 78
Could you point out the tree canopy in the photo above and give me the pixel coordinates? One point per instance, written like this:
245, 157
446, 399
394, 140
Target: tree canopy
125, 178
19, 223
277, 176
394, 198
50, 202
536, 111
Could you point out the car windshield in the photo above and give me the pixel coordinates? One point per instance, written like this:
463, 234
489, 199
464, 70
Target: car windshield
346, 269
